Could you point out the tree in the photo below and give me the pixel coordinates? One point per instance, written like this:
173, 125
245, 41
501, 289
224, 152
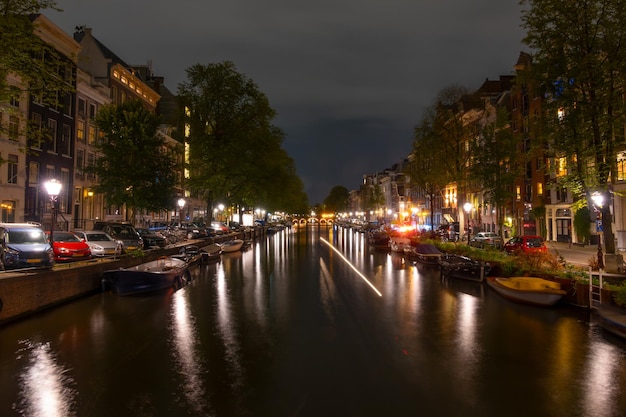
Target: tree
579, 59
235, 150
337, 199
134, 169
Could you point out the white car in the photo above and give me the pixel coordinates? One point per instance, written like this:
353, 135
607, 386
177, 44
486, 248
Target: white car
101, 243
486, 239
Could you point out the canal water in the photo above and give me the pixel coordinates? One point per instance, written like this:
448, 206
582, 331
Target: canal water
311, 322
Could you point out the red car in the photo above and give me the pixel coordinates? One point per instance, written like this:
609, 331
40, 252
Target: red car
68, 247
525, 244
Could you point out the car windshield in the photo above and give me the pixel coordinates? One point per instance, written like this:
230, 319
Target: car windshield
26, 236
97, 237
65, 237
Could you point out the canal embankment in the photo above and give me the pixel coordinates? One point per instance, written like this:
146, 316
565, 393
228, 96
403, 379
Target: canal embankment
27, 292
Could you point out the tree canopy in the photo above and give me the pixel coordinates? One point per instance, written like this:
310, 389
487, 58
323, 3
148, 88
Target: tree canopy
579, 58
235, 150
337, 199
135, 169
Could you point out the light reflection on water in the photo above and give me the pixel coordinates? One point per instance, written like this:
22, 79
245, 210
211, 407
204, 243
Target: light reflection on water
261, 332
45, 385
186, 355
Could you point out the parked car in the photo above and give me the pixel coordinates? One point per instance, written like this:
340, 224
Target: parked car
194, 231
486, 239
24, 245
220, 228
525, 244
122, 231
100, 243
151, 238
68, 247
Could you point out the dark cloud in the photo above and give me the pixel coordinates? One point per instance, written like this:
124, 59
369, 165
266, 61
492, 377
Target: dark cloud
349, 79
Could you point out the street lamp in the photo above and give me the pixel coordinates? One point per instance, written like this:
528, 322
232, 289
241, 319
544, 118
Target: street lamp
598, 200
53, 187
468, 208
181, 204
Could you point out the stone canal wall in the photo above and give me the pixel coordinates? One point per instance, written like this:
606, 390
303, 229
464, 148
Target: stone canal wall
28, 292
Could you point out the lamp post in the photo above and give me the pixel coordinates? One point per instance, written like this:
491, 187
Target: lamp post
598, 200
468, 208
181, 205
53, 187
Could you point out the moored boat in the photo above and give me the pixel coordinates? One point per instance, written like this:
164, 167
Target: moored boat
612, 320
161, 274
426, 253
378, 239
528, 290
233, 245
399, 244
211, 253
457, 266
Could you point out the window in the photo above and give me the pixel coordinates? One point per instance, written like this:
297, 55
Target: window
12, 166
14, 127
8, 211
66, 140
92, 111
518, 193
52, 127
36, 131
539, 188
91, 161
91, 138
80, 162
80, 130
33, 173
82, 106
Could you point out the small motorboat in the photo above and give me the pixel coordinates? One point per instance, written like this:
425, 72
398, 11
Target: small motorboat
211, 253
425, 253
612, 319
190, 254
528, 290
233, 245
163, 273
457, 266
398, 244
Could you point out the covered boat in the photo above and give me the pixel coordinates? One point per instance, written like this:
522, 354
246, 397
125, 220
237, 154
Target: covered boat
529, 290
457, 266
211, 253
164, 273
426, 253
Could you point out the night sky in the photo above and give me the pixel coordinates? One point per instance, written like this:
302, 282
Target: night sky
349, 78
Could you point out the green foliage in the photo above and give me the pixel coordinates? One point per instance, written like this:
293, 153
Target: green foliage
337, 199
619, 295
235, 150
582, 220
579, 58
134, 169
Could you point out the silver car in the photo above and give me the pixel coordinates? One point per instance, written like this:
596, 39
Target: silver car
487, 239
101, 244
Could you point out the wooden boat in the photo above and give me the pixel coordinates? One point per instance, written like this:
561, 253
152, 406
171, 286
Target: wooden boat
457, 266
164, 273
425, 253
528, 290
233, 245
211, 253
612, 319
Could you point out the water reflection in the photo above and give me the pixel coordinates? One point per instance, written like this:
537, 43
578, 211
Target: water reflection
46, 389
186, 354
